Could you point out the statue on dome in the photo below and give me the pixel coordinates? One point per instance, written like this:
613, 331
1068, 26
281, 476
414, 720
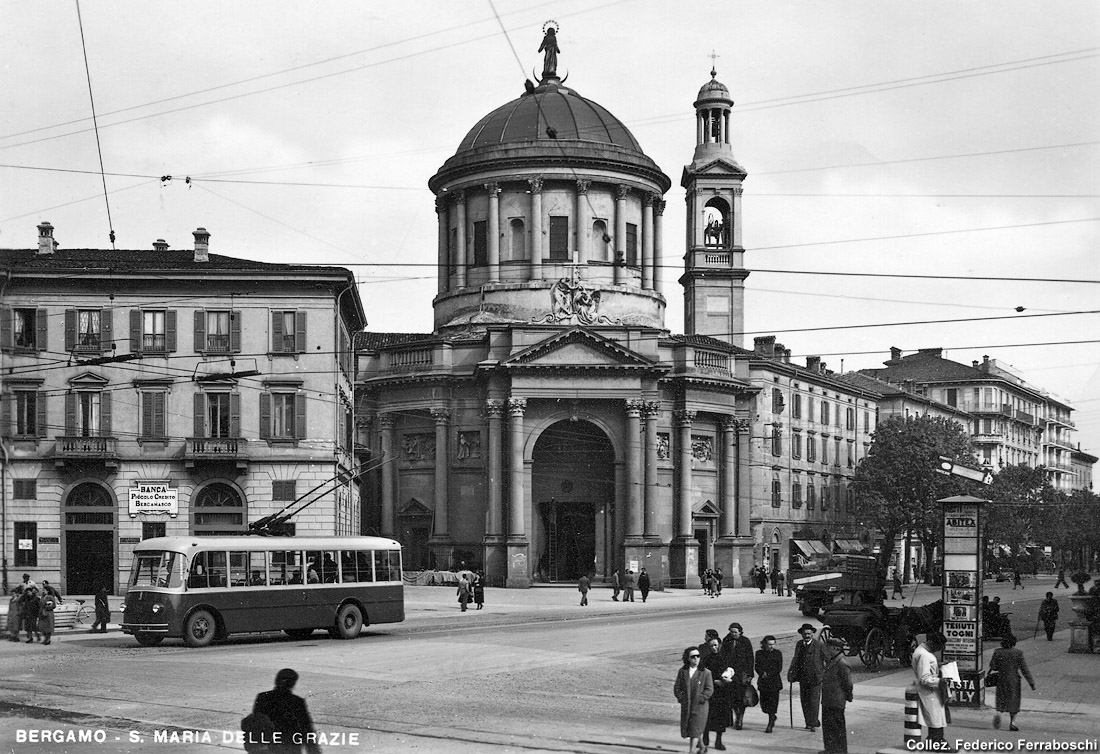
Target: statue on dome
550, 47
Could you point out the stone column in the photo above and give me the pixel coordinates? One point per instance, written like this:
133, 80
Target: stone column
519, 572
460, 239
735, 236
634, 475
442, 461
583, 221
652, 411
494, 232
727, 526
620, 233
495, 551
536, 227
726, 126
658, 244
647, 241
386, 424
744, 478
444, 244
683, 553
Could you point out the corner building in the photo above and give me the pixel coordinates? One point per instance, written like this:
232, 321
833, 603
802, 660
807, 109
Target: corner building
551, 425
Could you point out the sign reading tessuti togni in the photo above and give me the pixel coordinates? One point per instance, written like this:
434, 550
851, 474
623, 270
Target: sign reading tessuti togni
154, 498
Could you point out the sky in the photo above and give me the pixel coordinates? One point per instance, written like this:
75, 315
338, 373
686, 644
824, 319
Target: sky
939, 139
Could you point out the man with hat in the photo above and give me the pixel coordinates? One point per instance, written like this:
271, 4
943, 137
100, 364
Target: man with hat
288, 716
836, 692
806, 669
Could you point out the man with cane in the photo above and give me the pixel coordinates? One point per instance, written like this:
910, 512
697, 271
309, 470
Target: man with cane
806, 669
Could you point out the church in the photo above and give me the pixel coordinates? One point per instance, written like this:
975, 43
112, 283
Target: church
551, 424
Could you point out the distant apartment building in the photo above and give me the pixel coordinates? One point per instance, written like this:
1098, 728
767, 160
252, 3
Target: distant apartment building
156, 392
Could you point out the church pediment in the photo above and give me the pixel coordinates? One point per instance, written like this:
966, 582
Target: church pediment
718, 166
415, 508
577, 347
705, 509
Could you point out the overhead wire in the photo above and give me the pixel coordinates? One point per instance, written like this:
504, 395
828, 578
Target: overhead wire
95, 124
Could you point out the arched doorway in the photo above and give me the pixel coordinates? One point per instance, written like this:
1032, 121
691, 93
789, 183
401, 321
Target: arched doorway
573, 488
89, 539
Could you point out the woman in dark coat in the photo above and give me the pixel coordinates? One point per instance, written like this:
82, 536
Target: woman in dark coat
1009, 663
737, 652
46, 606
721, 709
693, 689
31, 605
769, 669
479, 589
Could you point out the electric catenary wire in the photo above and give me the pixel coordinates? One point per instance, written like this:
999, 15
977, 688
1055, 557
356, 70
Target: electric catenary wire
95, 125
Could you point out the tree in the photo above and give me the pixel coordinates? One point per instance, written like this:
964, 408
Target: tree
898, 481
1071, 526
1021, 501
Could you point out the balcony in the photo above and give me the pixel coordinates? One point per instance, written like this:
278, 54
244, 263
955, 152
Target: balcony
1025, 417
715, 362
205, 450
75, 449
217, 343
412, 358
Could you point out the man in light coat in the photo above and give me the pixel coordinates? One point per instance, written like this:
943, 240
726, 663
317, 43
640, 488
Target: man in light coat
805, 670
928, 685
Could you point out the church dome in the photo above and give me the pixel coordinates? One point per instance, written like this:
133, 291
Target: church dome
714, 91
546, 113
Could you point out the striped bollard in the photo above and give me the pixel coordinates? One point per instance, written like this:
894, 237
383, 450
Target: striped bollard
912, 723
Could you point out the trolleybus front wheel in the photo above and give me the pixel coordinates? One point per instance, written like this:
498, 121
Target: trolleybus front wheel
200, 628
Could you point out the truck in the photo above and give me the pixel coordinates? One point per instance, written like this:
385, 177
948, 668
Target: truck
824, 580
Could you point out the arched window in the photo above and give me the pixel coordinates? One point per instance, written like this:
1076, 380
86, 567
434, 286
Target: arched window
518, 246
600, 241
82, 501
217, 509
716, 224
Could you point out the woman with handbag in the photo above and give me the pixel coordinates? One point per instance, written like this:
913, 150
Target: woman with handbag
693, 689
769, 669
1009, 664
737, 654
721, 703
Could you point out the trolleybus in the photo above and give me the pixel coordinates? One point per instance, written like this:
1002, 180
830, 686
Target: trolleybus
205, 588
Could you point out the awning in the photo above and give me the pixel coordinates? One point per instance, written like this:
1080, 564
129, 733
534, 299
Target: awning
810, 547
848, 545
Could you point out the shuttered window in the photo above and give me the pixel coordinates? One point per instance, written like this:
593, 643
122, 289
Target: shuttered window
288, 331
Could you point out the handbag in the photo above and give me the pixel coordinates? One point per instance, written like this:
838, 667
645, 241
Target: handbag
992, 677
749, 696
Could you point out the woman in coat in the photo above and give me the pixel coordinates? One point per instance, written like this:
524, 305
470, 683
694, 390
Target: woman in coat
721, 708
693, 689
769, 669
45, 616
1009, 664
479, 589
737, 652
15, 614
31, 604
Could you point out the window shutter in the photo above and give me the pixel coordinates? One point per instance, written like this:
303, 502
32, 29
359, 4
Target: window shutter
200, 331
43, 330
199, 429
105, 414
265, 416
300, 416
40, 414
234, 415
6, 427
276, 331
147, 415
300, 332
6, 339
135, 331
106, 329
70, 330
235, 330
70, 414
158, 414
170, 330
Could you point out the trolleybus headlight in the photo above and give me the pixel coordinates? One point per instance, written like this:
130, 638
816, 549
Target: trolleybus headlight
156, 607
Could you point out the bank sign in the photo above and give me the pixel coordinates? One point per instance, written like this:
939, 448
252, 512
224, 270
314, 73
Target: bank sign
154, 498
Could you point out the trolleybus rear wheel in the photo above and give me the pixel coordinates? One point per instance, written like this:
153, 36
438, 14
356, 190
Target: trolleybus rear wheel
349, 622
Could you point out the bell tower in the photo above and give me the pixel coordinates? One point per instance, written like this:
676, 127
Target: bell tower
714, 270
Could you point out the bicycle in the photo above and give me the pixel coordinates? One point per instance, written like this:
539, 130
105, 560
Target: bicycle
83, 613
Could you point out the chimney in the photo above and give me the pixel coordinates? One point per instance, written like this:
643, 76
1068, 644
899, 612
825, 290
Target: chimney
813, 363
974, 364
895, 353
935, 352
764, 345
909, 386
46, 244
786, 356
160, 245
202, 245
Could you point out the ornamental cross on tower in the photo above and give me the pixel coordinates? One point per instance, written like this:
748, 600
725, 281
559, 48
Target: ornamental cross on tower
714, 63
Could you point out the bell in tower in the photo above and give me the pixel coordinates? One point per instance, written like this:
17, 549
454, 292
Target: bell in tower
714, 272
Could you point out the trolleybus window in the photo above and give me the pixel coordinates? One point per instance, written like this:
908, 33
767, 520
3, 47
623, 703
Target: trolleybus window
387, 565
157, 569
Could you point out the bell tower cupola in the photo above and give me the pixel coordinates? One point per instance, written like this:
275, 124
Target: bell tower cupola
714, 271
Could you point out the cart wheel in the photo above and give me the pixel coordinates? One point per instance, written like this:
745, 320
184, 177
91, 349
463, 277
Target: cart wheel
850, 650
873, 647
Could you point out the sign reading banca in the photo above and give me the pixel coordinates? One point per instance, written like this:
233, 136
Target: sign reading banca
154, 497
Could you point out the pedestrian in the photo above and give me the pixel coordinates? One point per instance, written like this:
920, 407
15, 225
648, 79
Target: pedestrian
643, 584
719, 715
1016, 579
1061, 579
805, 670
790, 583
704, 648
712, 583
761, 579
628, 586
737, 652
47, 588
836, 691
769, 672
616, 586
15, 613
583, 585
47, 604
777, 579
1048, 614
706, 579
289, 717
1009, 664
102, 611
463, 591
718, 576
31, 606
479, 589
897, 585
930, 687
693, 689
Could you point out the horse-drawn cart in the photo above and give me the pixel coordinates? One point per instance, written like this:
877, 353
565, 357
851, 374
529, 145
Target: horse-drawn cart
875, 632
